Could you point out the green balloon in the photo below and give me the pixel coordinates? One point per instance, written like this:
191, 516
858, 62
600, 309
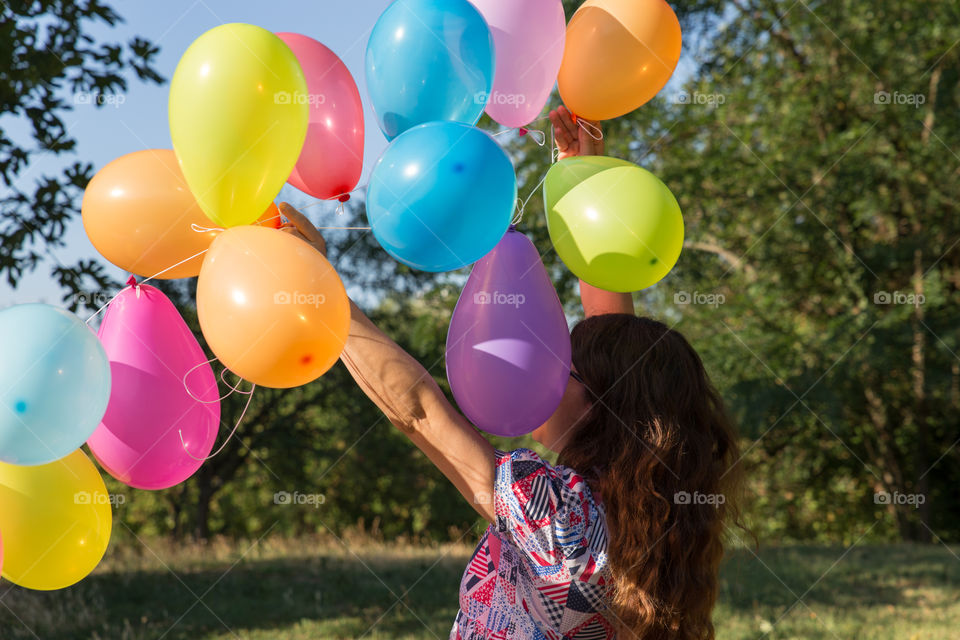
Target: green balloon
616, 226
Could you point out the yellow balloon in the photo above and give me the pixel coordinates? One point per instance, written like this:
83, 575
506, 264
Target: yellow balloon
56, 521
238, 119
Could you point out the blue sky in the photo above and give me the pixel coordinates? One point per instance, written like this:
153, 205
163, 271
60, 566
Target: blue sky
140, 122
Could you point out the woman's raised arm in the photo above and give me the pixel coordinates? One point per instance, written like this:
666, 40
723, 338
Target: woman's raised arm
410, 398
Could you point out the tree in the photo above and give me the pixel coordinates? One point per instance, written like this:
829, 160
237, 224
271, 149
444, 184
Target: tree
51, 63
818, 182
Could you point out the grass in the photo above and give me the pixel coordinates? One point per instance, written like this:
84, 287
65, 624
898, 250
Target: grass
282, 589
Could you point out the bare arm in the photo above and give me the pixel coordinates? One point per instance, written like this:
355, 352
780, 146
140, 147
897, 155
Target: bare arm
410, 398
573, 140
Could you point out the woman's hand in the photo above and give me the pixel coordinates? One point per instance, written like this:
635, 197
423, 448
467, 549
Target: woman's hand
302, 228
572, 138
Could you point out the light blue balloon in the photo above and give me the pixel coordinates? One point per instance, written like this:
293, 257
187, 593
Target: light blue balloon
429, 60
54, 383
441, 196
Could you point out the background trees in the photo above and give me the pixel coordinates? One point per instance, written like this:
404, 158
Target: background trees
814, 150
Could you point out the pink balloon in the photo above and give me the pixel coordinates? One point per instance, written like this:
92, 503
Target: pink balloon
332, 156
528, 36
150, 349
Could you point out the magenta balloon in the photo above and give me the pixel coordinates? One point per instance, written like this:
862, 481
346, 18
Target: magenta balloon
332, 156
508, 347
528, 36
150, 348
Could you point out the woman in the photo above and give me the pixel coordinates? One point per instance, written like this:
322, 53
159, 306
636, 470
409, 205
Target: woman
622, 538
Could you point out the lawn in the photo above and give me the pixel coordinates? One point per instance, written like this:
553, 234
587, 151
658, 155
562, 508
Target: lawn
316, 588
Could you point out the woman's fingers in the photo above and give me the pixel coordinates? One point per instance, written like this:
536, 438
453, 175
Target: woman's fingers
302, 228
566, 119
560, 133
300, 221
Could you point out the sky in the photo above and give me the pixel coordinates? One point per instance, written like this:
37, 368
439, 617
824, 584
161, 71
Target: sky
140, 121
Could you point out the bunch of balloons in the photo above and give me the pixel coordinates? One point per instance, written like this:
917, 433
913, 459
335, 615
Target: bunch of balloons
251, 110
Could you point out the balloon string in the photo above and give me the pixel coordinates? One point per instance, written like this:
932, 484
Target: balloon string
523, 206
249, 395
233, 389
592, 130
133, 283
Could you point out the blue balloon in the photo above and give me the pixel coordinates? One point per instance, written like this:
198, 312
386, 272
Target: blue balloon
54, 383
429, 60
441, 196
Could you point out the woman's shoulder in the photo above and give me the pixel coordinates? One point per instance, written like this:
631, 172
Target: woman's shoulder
523, 464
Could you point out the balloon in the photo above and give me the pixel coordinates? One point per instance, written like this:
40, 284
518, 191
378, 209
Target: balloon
508, 347
150, 349
619, 54
238, 119
54, 383
332, 156
138, 212
56, 520
441, 196
429, 60
528, 37
271, 307
615, 225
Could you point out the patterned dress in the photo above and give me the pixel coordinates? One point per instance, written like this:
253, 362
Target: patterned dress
540, 572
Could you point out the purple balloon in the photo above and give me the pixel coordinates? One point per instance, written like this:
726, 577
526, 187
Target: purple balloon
508, 347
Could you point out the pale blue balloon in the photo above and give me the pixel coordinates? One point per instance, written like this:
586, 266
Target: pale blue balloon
54, 383
429, 60
441, 196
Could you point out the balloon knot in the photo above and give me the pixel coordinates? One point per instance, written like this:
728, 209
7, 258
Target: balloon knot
131, 281
523, 131
344, 198
513, 227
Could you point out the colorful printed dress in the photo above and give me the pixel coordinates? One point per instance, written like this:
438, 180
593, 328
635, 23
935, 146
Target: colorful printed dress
540, 572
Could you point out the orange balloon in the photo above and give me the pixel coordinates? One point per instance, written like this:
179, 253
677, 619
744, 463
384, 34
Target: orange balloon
271, 307
618, 55
138, 212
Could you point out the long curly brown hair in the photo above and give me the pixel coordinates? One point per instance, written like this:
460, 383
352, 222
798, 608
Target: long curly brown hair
659, 445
